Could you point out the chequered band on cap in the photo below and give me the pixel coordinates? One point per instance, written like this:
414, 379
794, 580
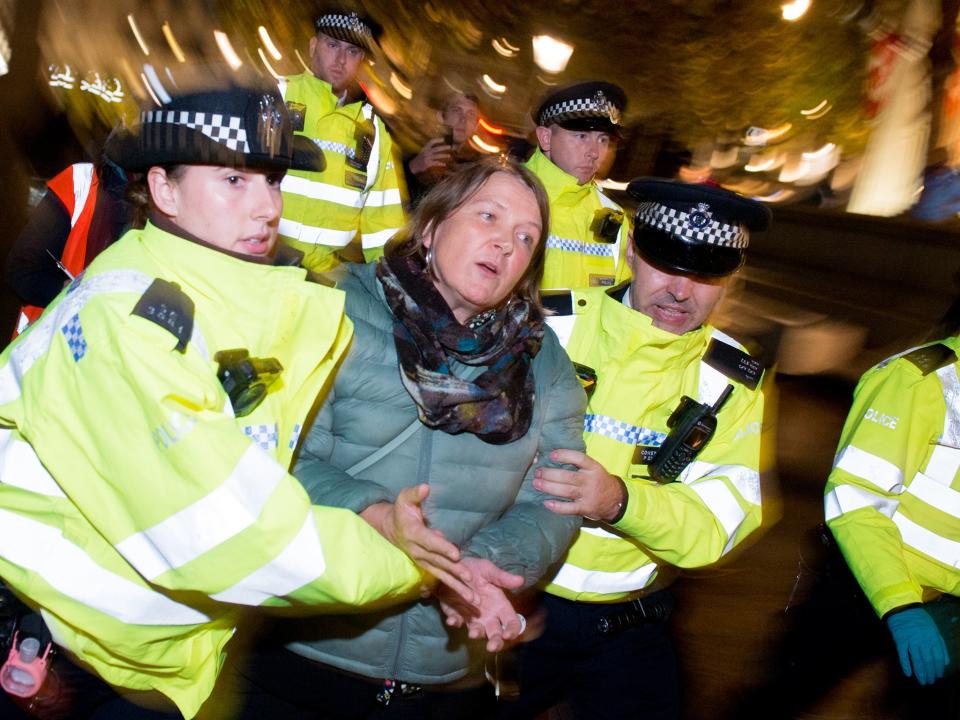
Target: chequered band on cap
598, 105
696, 226
345, 23
227, 130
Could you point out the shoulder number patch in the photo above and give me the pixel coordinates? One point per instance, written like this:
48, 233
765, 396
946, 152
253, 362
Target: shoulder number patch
931, 358
165, 304
734, 363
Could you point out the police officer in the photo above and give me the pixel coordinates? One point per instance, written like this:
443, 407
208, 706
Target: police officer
893, 506
577, 128
359, 194
150, 415
671, 474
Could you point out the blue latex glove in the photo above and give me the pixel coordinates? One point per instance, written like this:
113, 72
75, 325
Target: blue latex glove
922, 650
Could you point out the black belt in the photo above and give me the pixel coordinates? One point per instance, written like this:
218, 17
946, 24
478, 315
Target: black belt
654, 608
390, 688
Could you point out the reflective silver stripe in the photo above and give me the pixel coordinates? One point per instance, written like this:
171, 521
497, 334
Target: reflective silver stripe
847, 498
745, 480
312, 235
377, 239
43, 550
300, 563
36, 343
598, 581
82, 180
382, 198
935, 494
20, 467
608, 203
943, 464
373, 164
314, 190
213, 519
723, 504
951, 398
872, 468
929, 543
555, 242
712, 381
562, 325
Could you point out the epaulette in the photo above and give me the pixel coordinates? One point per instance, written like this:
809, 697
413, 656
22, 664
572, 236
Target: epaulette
734, 363
931, 358
165, 304
558, 302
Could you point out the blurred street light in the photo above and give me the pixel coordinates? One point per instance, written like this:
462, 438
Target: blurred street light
268, 43
794, 10
550, 54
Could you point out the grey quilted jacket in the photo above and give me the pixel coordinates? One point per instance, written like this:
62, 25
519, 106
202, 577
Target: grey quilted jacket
481, 495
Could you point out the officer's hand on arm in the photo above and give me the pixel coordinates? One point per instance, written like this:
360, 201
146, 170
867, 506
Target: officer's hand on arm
492, 615
591, 490
402, 523
922, 650
436, 154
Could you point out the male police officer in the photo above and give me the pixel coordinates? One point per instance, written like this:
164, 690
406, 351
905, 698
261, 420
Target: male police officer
359, 191
671, 471
893, 505
576, 129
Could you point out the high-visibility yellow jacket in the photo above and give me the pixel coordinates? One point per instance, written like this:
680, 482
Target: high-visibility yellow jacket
323, 212
893, 498
135, 509
575, 255
642, 372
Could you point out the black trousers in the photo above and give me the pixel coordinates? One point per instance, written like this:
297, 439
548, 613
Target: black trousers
277, 684
627, 674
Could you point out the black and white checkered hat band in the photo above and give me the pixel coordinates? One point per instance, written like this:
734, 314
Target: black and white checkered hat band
695, 226
227, 130
349, 25
574, 110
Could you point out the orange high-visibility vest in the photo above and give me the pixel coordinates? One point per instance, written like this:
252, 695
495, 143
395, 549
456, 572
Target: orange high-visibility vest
76, 187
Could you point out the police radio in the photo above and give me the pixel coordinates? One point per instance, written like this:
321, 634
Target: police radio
606, 225
691, 425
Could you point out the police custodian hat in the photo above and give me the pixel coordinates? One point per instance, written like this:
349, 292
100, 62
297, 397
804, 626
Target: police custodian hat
230, 122
694, 228
348, 25
585, 106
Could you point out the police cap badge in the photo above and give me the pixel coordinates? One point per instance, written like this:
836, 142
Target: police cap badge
214, 118
585, 106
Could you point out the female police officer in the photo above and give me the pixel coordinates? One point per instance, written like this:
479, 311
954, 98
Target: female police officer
151, 413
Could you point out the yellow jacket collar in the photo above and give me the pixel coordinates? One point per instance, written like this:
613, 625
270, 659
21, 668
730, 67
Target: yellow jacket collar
635, 330
556, 181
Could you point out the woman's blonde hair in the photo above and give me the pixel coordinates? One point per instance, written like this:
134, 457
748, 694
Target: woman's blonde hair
451, 193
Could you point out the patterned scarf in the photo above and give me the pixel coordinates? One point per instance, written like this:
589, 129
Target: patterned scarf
498, 405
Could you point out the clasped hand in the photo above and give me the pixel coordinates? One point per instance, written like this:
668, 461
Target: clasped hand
590, 490
470, 590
